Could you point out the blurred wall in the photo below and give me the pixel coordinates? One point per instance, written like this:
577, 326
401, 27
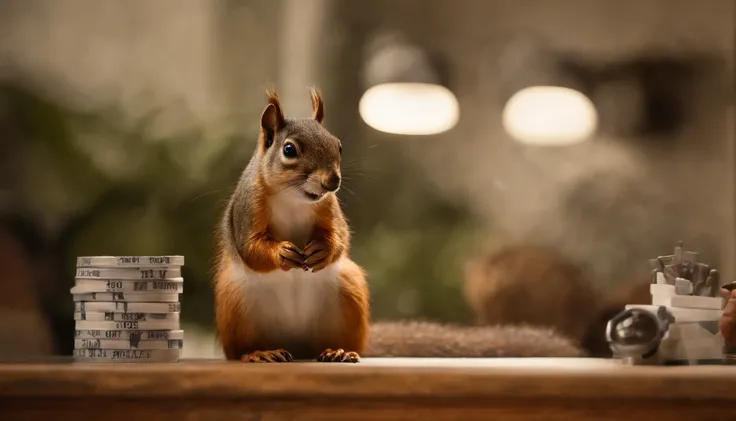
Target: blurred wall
101, 51
610, 203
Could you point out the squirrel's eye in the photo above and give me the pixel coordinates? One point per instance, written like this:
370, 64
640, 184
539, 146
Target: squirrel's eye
341, 148
290, 150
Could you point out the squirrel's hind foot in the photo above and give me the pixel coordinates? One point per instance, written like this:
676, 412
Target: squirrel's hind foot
338, 356
277, 356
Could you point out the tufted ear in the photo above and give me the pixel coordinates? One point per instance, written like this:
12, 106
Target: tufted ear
318, 107
272, 118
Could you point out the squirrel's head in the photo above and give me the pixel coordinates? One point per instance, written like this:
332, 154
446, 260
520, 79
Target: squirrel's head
299, 156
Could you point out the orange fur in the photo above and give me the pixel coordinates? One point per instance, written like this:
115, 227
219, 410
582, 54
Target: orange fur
318, 108
261, 252
234, 336
238, 339
273, 98
355, 304
332, 228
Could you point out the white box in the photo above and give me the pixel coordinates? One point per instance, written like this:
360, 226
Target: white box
688, 301
663, 290
683, 286
684, 315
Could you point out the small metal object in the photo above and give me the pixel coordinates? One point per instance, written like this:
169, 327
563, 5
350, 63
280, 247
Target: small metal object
634, 335
657, 264
685, 265
653, 278
714, 278
670, 274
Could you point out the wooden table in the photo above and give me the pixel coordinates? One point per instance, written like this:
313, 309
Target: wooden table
375, 389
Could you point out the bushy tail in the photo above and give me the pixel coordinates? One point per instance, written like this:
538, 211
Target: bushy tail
432, 340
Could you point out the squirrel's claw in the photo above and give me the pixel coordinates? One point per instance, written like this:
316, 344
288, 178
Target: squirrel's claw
291, 257
277, 356
313, 247
338, 356
316, 254
317, 261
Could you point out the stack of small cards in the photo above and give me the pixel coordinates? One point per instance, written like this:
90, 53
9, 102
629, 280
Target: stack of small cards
127, 309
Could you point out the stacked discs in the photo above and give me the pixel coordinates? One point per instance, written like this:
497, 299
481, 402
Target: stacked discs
126, 309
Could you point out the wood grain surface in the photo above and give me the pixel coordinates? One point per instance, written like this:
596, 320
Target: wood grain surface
384, 389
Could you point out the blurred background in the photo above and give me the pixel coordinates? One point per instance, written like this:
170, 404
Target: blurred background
547, 148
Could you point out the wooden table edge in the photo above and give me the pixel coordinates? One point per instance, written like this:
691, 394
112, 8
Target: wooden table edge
231, 380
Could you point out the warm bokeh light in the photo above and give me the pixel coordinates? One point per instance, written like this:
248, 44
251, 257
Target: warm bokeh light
550, 115
409, 108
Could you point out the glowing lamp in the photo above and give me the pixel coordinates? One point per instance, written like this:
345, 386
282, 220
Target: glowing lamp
546, 96
549, 115
406, 90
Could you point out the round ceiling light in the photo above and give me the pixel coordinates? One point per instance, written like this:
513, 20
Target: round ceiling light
409, 108
406, 89
550, 116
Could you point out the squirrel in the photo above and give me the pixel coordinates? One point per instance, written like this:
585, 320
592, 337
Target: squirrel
285, 286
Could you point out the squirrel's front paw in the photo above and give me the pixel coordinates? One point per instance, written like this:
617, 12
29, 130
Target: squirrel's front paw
290, 256
338, 356
315, 256
277, 356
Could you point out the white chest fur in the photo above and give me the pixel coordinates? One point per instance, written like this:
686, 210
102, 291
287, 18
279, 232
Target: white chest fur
291, 306
292, 219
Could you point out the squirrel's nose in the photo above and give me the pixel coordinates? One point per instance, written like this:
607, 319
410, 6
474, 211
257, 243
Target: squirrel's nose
331, 183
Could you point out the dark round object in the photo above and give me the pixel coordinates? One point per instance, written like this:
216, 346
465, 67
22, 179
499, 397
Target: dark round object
639, 328
290, 150
637, 332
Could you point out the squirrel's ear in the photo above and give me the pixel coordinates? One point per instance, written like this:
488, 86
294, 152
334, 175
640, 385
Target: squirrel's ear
318, 107
272, 118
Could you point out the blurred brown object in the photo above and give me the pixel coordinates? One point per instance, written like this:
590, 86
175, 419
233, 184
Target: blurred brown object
727, 324
531, 285
24, 330
420, 339
636, 292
